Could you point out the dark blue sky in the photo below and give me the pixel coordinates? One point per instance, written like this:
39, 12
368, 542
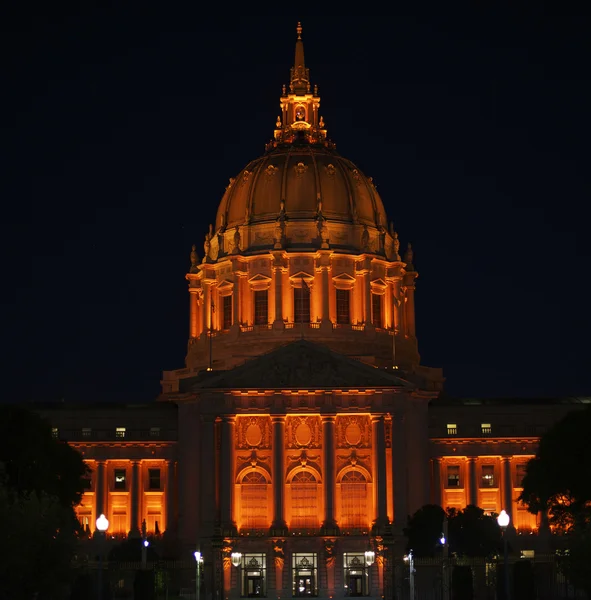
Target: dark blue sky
123, 126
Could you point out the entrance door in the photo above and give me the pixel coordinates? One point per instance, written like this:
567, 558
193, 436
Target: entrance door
356, 584
254, 586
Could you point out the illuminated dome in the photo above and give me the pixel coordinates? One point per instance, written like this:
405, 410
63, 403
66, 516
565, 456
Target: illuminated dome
301, 248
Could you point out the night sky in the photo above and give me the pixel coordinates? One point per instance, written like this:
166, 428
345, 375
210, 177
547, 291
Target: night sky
122, 127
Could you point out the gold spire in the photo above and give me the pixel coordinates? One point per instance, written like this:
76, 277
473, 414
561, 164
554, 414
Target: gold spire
300, 77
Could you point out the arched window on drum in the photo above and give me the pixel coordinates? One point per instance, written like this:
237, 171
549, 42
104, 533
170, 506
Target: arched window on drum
353, 501
253, 496
304, 501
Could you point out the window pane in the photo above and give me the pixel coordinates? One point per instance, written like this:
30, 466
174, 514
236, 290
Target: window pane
520, 471
453, 476
301, 304
354, 500
376, 311
253, 492
488, 476
227, 314
120, 480
304, 501
261, 307
154, 479
343, 312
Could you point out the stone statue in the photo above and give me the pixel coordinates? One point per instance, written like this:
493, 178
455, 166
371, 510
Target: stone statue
207, 244
279, 235
408, 257
365, 238
193, 256
396, 245
236, 249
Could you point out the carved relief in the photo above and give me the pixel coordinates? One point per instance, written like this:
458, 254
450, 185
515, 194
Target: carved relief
303, 458
300, 169
329, 557
253, 432
270, 171
356, 176
245, 177
353, 431
330, 170
303, 432
279, 553
263, 238
354, 460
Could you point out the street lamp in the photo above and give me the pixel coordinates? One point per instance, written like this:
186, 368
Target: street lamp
503, 521
409, 558
102, 524
199, 562
370, 557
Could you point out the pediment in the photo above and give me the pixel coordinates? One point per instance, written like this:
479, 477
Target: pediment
259, 278
379, 283
301, 275
344, 277
302, 365
226, 284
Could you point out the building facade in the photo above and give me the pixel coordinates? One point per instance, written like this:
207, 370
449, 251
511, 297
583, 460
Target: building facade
303, 429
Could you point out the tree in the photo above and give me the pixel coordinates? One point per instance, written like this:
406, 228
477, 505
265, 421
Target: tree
470, 531
558, 483
41, 480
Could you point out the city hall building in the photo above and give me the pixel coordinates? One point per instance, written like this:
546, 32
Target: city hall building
303, 429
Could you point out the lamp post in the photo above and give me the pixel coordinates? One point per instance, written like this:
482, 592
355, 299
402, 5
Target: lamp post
444, 541
503, 521
236, 558
102, 524
370, 557
198, 562
409, 558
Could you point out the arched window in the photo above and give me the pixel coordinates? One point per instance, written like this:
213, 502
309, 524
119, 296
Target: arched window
353, 500
253, 495
304, 501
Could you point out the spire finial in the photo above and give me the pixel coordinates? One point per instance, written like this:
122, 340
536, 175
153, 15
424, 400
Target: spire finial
299, 30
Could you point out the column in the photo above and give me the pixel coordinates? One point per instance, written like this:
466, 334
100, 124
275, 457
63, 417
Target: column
410, 310
206, 311
236, 301
328, 426
278, 296
379, 465
134, 528
507, 488
325, 296
437, 492
472, 482
170, 496
100, 489
226, 480
397, 304
207, 481
367, 296
399, 474
193, 323
278, 472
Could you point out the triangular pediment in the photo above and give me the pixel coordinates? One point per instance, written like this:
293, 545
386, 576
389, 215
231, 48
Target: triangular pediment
225, 285
258, 278
301, 275
379, 283
302, 365
344, 277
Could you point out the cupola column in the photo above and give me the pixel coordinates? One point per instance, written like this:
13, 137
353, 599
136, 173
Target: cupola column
194, 312
236, 301
367, 295
325, 296
396, 304
410, 310
206, 311
278, 473
278, 275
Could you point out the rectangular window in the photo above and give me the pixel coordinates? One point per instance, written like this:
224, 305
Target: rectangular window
154, 431
301, 304
261, 307
86, 432
120, 432
343, 308
54, 433
120, 482
452, 429
377, 319
453, 476
520, 471
253, 572
154, 479
356, 574
488, 476
227, 312
486, 428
